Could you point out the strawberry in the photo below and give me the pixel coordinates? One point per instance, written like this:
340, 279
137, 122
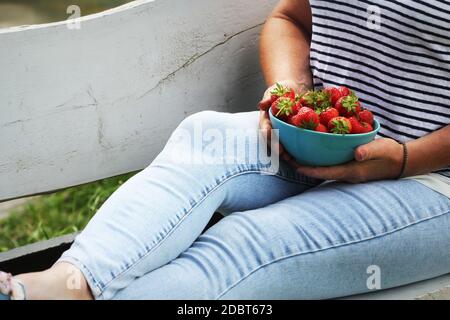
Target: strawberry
357, 126
340, 125
355, 109
295, 120
328, 114
334, 93
322, 128
281, 91
283, 108
367, 127
323, 100
308, 99
344, 91
366, 116
291, 94
296, 108
306, 118
348, 106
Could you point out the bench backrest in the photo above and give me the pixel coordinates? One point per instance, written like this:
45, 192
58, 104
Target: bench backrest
78, 105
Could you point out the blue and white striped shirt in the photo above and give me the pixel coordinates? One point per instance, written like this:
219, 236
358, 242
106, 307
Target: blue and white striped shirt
394, 54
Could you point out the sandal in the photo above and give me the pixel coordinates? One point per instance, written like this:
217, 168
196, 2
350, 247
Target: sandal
11, 289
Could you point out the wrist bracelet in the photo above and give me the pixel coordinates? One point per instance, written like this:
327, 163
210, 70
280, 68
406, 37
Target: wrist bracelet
405, 160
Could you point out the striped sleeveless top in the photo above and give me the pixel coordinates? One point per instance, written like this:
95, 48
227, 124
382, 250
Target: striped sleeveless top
394, 54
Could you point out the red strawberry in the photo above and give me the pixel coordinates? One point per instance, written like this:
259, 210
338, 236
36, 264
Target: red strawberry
357, 127
367, 127
340, 125
366, 116
344, 91
276, 107
348, 106
291, 94
321, 128
283, 108
334, 93
281, 91
308, 99
328, 114
323, 100
296, 108
306, 118
356, 108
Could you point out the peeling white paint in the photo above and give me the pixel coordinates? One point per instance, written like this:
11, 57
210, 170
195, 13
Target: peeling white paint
81, 105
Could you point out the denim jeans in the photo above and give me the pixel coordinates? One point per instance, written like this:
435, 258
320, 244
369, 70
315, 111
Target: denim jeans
284, 236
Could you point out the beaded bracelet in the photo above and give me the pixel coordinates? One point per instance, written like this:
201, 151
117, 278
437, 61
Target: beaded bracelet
405, 160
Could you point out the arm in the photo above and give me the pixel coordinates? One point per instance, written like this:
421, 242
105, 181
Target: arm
383, 158
285, 43
284, 50
429, 153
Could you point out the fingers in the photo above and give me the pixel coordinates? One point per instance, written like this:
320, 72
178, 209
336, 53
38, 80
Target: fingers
284, 155
264, 123
353, 172
265, 126
326, 173
377, 149
266, 101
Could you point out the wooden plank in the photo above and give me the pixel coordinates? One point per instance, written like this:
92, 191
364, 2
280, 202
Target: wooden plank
35, 257
81, 105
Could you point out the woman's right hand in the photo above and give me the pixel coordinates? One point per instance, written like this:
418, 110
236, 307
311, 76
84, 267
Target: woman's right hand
264, 120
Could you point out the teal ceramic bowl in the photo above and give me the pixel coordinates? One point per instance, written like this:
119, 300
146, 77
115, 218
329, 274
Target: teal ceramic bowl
317, 148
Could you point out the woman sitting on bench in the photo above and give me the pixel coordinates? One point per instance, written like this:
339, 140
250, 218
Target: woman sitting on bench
286, 234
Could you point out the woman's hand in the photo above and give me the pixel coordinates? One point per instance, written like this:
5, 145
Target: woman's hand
264, 120
380, 159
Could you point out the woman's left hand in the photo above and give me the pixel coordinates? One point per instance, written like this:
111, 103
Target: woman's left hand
378, 160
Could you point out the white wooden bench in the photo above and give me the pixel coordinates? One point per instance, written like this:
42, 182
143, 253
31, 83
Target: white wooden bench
79, 105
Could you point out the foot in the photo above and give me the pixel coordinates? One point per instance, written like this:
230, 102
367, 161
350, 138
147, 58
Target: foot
61, 282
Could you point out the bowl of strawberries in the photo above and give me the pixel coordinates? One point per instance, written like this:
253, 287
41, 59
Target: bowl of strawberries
321, 127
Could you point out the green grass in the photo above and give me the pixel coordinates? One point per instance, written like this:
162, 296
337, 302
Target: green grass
56, 214
43, 11
56, 10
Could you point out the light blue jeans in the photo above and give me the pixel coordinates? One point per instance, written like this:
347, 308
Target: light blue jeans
284, 236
